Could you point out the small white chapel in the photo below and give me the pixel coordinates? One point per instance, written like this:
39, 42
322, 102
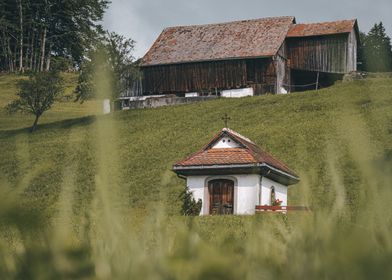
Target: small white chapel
232, 175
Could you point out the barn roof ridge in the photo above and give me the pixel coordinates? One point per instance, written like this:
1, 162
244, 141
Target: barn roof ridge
229, 22
330, 21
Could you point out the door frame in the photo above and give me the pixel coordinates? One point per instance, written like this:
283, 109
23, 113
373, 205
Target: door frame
206, 206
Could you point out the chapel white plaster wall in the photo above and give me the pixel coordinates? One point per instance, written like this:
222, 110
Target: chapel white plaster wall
196, 186
280, 191
226, 142
246, 191
247, 194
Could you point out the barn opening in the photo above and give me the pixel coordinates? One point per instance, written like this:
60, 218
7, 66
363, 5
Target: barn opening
309, 80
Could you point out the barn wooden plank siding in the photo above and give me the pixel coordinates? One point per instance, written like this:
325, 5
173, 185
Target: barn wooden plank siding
262, 54
210, 76
282, 70
324, 47
323, 54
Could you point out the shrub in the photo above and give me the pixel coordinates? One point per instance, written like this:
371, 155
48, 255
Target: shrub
190, 207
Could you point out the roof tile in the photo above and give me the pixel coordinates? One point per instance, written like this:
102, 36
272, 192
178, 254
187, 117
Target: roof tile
323, 28
220, 156
249, 153
239, 39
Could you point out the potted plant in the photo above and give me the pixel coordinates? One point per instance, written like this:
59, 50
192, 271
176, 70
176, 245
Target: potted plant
277, 202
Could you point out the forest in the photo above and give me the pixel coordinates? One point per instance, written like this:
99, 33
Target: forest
36, 35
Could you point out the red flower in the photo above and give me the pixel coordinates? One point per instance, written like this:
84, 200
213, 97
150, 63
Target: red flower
277, 202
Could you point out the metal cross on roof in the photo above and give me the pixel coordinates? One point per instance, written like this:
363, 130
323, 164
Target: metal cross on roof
226, 119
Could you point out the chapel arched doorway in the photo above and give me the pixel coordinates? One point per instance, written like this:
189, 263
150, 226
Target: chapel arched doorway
221, 195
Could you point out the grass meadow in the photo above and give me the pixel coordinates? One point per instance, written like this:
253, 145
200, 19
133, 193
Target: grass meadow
93, 197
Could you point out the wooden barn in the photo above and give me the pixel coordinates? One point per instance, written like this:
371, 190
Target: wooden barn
270, 55
322, 52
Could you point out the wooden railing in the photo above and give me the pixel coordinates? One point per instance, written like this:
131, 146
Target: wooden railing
265, 208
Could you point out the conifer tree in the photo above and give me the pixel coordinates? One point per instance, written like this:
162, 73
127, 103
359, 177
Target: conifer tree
376, 50
190, 207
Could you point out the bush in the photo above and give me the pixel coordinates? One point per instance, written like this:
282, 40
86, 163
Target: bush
190, 207
61, 64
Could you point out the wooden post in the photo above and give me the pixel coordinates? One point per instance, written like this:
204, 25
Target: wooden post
317, 82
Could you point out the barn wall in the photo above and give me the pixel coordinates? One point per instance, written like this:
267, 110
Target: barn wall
166, 100
261, 75
352, 52
210, 76
323, 53
282, 71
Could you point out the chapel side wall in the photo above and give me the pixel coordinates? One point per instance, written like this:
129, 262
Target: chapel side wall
280, 191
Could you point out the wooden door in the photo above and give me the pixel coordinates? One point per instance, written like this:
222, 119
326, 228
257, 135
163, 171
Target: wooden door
221, 197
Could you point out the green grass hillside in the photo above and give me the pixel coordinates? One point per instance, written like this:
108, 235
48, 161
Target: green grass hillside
339, 140
65, 109
306, 130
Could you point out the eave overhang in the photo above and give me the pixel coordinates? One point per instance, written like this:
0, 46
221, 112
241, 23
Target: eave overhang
146, 65
257, 168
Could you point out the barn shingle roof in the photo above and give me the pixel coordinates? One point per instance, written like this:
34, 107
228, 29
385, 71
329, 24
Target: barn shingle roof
248, 153
321, 29
232, 40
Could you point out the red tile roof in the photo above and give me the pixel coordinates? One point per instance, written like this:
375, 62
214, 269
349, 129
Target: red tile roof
220, 156
323, 28
239, 39
248, 153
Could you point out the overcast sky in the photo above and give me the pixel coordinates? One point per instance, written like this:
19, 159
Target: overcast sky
143, 20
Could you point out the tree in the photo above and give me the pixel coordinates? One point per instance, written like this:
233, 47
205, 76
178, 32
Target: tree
189, 205
121, 61
37, 95
376, 50
20, 9
114, 53
360, 51
33, 31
